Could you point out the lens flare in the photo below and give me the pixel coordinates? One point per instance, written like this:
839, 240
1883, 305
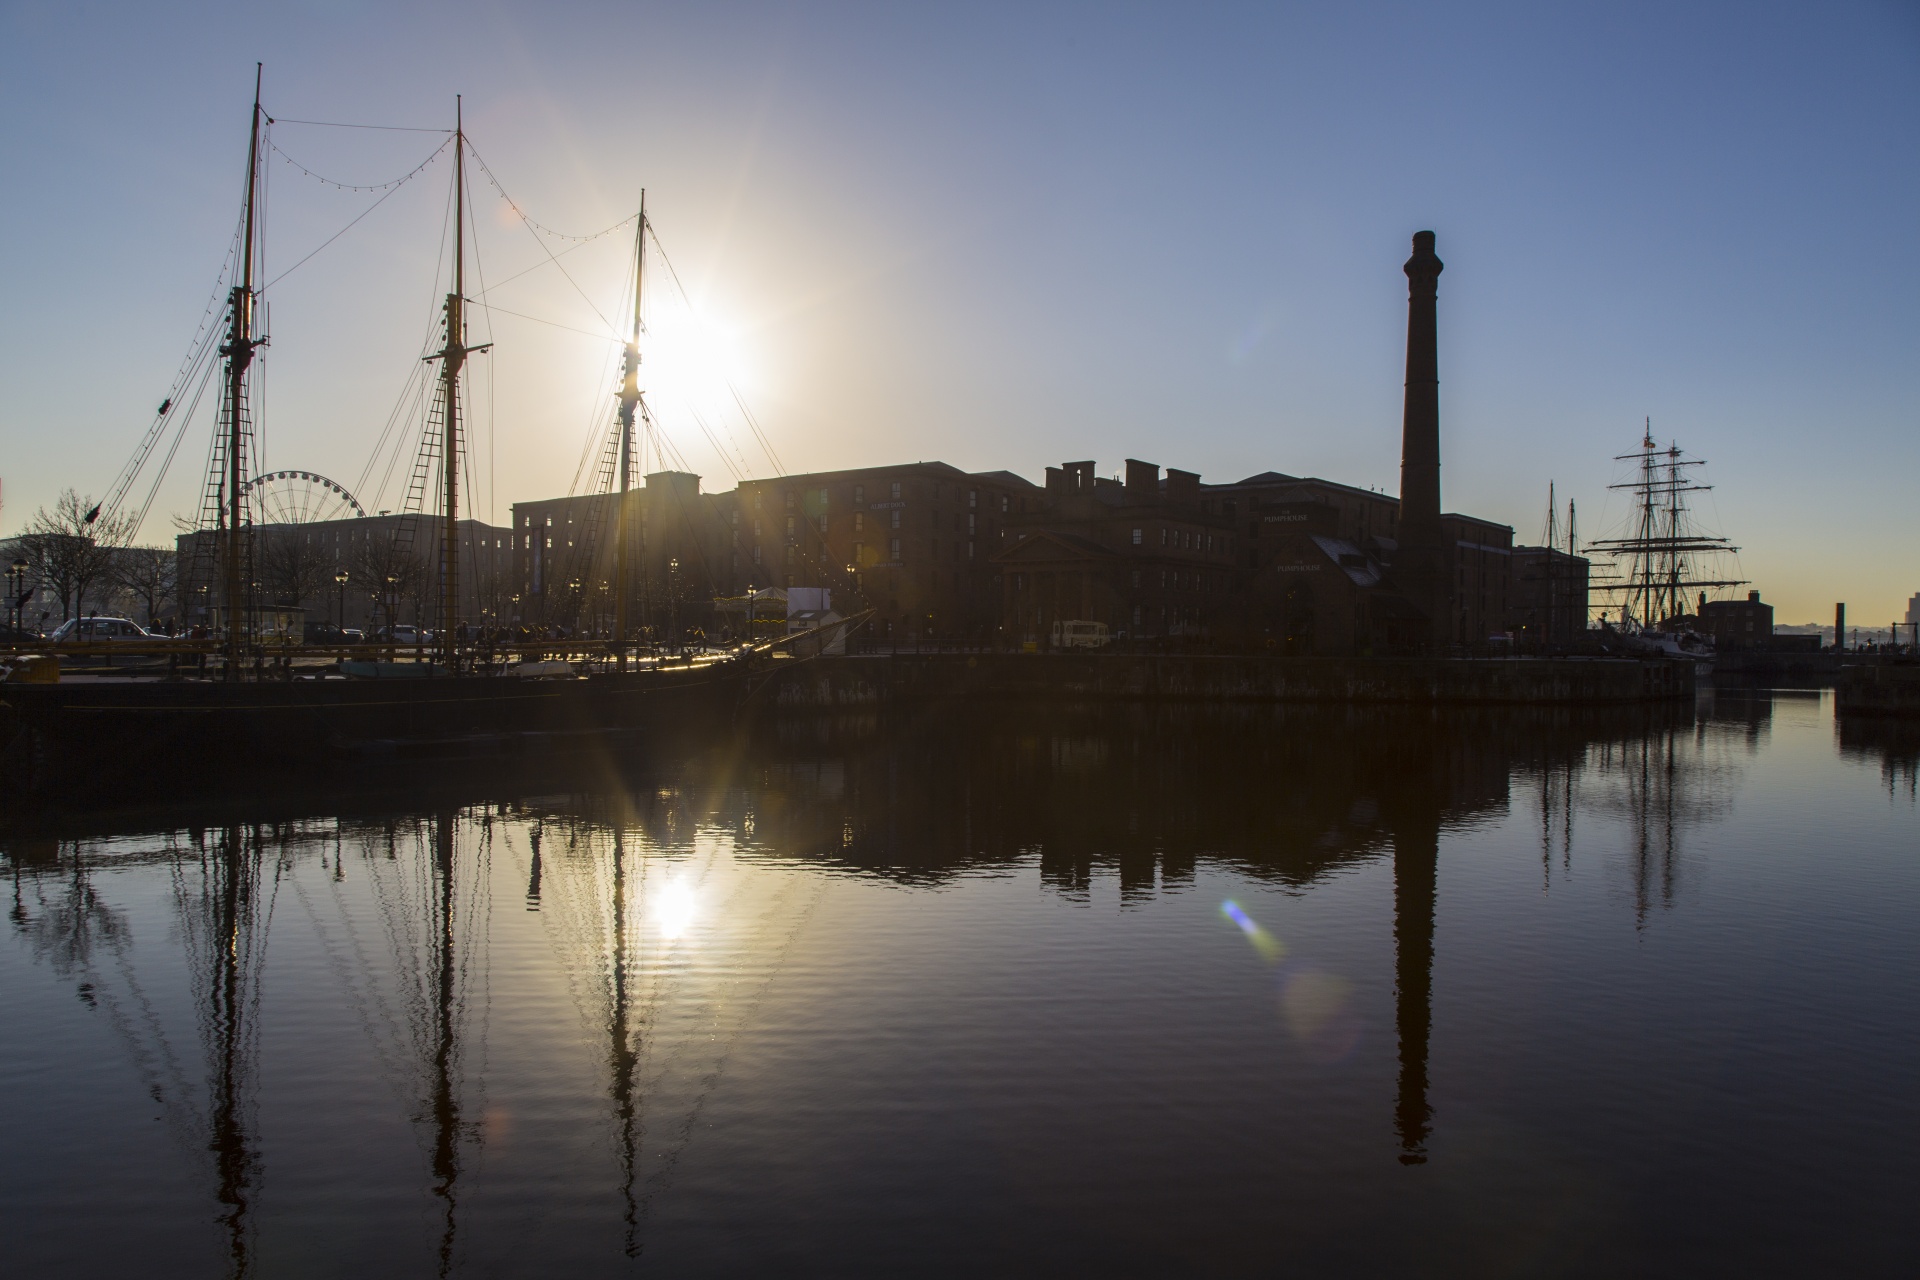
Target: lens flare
1270, 947
1318, 1011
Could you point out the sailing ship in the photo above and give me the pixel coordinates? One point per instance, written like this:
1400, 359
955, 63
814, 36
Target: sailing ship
1663, 562
227, 700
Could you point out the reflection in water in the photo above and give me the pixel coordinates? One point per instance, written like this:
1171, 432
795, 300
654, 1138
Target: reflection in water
1416, 866
667, 954
1893, 744
230, 951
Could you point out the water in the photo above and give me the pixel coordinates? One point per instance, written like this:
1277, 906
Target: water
995, 991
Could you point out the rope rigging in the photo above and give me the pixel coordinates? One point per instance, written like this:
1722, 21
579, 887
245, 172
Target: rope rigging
358, 186
411, 432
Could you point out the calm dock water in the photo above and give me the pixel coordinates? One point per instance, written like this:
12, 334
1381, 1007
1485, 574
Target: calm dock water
1152, 991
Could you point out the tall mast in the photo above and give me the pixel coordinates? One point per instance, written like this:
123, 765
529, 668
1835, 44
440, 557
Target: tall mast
1573, 631
629, 401
452, 357
1552, 533
239, 353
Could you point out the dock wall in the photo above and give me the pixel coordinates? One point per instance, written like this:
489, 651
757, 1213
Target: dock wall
1878, 689
881, 679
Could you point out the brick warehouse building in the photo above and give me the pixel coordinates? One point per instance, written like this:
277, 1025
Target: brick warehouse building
1148, 557
914, 542
679, 557
1273, 562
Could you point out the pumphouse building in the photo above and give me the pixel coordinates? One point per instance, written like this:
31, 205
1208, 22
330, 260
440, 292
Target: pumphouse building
1296, 564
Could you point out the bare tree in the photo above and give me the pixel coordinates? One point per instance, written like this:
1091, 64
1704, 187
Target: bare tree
292, 568
72, 547
150, 575
382, 567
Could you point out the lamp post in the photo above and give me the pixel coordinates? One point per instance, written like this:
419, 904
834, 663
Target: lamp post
341, 578
16, 589
673, 599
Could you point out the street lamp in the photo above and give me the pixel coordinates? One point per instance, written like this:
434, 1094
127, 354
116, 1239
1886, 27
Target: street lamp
673, 599
16, 589
341, 578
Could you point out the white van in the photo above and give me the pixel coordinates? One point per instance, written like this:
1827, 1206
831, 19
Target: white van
1080, 635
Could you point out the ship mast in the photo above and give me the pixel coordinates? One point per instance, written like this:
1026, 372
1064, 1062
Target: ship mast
452, 357
239, 351
630, 399
1663, 544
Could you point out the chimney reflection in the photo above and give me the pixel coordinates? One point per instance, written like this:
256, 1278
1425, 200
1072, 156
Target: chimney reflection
1416, 859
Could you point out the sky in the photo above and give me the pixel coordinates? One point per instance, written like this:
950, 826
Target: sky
1010, 235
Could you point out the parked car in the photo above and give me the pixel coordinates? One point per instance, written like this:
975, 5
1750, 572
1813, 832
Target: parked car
403, 634
95, 630
327, 633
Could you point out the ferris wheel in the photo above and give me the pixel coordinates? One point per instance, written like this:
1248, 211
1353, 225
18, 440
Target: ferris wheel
299, 497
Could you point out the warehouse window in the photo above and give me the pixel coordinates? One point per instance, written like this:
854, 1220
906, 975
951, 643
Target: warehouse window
1136, 537
896, 490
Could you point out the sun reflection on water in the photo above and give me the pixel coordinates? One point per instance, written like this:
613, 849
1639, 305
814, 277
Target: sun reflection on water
674, 908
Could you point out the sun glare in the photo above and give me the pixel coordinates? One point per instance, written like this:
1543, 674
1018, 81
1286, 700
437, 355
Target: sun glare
674, 908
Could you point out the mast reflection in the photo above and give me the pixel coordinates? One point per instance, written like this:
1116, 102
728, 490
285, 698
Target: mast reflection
446, 1101
228, 1028
1133, 801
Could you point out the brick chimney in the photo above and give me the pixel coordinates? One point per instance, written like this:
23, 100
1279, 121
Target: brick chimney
1420, 568
1183, 488
1143, 482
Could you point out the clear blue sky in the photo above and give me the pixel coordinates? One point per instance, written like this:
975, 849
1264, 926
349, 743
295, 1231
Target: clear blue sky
1009, 235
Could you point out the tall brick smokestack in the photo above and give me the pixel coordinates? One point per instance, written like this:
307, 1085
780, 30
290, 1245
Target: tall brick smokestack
1421, 570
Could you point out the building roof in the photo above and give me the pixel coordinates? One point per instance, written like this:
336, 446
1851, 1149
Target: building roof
1275, 479
1004, 477
1367, 573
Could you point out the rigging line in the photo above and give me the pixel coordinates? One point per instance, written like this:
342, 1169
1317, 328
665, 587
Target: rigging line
335, 124
180, 434
467, 437
417, 370
753, 423
531, 227
351, 225
522, 215
535, 267
537, 320
356, 186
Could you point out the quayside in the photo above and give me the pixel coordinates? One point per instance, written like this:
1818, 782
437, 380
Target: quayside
94, 734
